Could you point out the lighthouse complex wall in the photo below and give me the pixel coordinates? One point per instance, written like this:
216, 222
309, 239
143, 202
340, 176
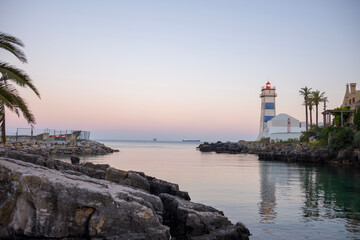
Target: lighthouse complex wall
278, 128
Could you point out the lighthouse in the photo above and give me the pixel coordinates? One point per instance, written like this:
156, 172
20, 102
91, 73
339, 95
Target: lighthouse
268, 110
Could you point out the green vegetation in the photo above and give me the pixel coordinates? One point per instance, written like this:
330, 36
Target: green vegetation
9, 96
311, 134
337, 116
340, 137
334, 138
357, 119
357, 139
290, 140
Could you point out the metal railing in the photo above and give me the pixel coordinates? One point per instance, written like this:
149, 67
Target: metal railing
28, 134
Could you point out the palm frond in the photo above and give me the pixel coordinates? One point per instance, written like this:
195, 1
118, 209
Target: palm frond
318, 97
11, 99
7, 96
12, 48
305, 91
18, 76
9, 38
23, 107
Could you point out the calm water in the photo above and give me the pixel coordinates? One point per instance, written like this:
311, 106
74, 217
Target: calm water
275, 200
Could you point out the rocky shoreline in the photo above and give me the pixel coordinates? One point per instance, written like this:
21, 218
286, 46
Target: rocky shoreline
44, 198
288, 152
47, 148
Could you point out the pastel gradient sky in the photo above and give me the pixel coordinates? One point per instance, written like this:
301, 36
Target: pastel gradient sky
175, 69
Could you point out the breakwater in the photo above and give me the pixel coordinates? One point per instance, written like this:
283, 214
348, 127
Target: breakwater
291, 152
47, 148
44, 198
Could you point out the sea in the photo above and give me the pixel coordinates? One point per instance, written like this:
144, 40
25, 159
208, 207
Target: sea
275, 200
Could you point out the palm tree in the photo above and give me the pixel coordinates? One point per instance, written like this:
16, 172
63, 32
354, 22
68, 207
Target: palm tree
306, 92
9, 96
317, 98
310, 103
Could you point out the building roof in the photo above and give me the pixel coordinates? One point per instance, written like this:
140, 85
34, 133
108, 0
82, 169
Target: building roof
283, 117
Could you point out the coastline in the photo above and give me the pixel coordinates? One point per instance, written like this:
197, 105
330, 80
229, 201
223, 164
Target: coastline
287, 152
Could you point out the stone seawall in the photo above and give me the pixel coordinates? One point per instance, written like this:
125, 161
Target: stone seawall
291, 152
46, 148
43, 198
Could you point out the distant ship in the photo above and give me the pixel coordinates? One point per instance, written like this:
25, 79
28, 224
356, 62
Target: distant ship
155, 139
190, 140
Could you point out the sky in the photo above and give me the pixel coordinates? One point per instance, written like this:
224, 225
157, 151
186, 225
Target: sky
178, 69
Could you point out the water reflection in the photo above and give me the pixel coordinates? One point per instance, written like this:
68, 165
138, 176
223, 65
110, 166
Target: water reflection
267, 206
331, 192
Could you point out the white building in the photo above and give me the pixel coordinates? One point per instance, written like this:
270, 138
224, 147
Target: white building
283, 127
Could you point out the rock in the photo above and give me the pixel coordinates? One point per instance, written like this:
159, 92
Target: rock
97, 166
132, 179
205, 147
137, 181
37, 202
75, 159
289, 152
57, 147
158, 186
115, 175
188, 220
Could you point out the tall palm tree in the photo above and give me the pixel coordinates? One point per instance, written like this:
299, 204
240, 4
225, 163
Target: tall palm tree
310, 103
9, 96
306, 92
317, 98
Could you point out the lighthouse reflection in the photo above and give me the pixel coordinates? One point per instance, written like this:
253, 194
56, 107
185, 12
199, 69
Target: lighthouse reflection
267, 206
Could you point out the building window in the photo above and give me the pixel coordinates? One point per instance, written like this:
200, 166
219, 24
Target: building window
353, 100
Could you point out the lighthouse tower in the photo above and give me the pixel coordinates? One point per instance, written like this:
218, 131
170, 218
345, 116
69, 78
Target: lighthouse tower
267, 96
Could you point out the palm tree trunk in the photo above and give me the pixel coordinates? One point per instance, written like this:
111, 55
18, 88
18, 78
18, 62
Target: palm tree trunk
310, 110
306, 114
317, 119
2, 122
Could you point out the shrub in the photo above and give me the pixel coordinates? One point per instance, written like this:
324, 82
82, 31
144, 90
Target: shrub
357, 119
356, 141
339, 137
313, 132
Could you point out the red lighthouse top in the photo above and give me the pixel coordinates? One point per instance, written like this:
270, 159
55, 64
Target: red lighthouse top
268, 85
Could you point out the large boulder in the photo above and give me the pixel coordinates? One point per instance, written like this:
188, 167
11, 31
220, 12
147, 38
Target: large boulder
128, 178
37, 202
158, 186
188, 220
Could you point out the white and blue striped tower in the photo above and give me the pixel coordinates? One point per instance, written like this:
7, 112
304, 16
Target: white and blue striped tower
268, 110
